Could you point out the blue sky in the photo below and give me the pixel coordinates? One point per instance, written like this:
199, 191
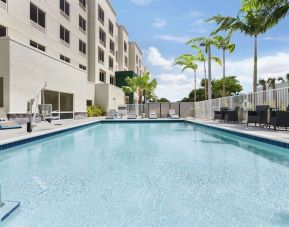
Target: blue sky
161, 28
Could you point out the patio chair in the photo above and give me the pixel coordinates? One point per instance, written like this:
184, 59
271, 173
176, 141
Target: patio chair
46, 113
153, 114
220, 115
111, 114
259, 116
122, 111
279, 119
132, 115
172, 114
232, 115
5, 123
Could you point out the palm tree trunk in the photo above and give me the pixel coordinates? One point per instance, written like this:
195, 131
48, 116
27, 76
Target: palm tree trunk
255, 63
139, 97
224, 73
195, 85
209, 73
205, 71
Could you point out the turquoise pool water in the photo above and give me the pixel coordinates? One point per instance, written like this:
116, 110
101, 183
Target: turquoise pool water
147, 174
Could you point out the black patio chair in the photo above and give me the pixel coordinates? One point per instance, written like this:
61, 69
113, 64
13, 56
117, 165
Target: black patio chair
220, 115
232, 115
279, 119
259, 116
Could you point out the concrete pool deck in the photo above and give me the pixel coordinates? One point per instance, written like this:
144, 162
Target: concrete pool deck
13, 135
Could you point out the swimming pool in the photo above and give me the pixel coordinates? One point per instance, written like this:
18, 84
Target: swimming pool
146, 174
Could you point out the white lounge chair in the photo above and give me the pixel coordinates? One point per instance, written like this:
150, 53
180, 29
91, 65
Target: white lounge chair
45, 111
122, 111
153, 114
172, 114
5, 123
132, 115
111, 114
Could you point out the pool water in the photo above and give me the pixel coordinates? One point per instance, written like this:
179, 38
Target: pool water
146, 174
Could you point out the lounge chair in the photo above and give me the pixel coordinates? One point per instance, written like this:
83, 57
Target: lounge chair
5, 123
153, 115
232, 115
260, 116
172, 114
46, 113
279, 119
111, 114
220, 115
132, 115
122, 111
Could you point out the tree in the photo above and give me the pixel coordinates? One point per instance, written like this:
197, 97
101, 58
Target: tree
163, 100
263, 83
187, 61
232, 84
250, 21
281, 79
224, 43
142, 85
207, 43
271, 82
287, 77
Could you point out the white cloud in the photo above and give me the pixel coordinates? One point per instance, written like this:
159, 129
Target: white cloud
159, 23
173, 38
141, 2
155, 58
277, 38
196, 14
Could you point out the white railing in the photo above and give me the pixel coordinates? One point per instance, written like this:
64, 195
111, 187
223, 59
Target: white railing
277, 98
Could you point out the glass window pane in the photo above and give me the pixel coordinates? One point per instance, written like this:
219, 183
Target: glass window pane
41, 18
66, 102
52, 97
2, 31
33, 13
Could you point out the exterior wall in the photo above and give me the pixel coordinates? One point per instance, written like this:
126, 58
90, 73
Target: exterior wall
27, 79
135, 58
20, 28
94, 43
4, 69
109, 96
122, 38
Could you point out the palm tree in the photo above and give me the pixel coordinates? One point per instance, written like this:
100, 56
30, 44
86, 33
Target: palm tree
224, 43
281, 79
272, 82
263, 83
287, 77
207, 43
250, 22
141, 85
187, 61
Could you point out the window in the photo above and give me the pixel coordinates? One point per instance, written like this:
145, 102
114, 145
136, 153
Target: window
64, 34
111, 46
37, 15
82, 3
3, 31
110, 28
64, 6
136, 59
100, 14
102, 37
125, 47
88, 102
4, 1
125, 61
63, 58
37, 45
139, 62
100, 55
111, 80
110, 63
82, 23
82, 67
82, 47
102, 76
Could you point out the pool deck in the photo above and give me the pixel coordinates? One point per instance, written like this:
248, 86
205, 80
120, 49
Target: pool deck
13, 135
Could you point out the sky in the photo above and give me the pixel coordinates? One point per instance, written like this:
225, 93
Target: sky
162, 27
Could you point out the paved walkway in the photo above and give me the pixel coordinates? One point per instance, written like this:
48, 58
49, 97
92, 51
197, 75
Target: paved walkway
279, 135
11, 135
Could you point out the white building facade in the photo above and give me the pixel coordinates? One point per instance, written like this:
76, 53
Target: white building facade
71, 45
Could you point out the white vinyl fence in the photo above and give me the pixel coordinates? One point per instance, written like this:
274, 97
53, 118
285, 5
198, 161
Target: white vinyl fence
278, 98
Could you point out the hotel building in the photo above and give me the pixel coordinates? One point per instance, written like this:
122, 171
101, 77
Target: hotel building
74, 46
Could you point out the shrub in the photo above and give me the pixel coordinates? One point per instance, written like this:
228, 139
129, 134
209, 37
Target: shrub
94, 111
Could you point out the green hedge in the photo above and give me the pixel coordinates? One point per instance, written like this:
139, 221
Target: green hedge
94, 111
